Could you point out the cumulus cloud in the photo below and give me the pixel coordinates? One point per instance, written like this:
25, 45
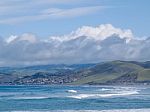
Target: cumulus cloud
85, 45
98, 33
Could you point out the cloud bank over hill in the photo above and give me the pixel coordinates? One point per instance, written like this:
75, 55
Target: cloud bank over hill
85, 45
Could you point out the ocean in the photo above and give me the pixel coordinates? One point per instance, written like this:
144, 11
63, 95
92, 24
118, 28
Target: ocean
74, 98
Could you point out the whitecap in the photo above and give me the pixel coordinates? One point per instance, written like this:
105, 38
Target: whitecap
29, 97
72, 91
105, 89
81, 96
121, 93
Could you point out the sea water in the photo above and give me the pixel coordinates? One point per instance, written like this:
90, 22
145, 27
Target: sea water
74, 98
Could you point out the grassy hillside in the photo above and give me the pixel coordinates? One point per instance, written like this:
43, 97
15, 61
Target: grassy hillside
144, 75
112, 71
97, 78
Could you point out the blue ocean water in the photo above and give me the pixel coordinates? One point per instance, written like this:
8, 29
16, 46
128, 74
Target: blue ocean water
73, 98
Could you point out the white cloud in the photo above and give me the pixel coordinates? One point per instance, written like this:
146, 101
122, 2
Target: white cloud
24, 37
52, 13
85, 45
18, 11
11, 38
98, 33
56, 12
103, 31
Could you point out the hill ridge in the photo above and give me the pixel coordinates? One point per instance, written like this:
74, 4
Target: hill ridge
112, 72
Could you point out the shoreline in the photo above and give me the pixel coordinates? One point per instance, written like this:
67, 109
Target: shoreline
86, 85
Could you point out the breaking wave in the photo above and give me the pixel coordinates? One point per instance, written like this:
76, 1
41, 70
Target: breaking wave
30, 98
116, 92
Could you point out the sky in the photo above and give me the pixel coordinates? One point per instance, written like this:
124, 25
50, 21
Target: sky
50, 32
53, 17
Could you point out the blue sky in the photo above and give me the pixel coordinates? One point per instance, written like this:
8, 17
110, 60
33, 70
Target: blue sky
22, 16
36, 32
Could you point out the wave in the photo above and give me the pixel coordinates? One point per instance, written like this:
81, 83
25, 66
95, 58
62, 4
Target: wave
115, 94
103, 92
105, 89
81, 96
72, 91
29, 97
119, 89
114, 110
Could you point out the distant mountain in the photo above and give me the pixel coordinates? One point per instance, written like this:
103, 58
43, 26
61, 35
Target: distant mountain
106, 73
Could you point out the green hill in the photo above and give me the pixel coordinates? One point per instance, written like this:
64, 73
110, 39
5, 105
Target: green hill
106, 73
122, 72
144, 75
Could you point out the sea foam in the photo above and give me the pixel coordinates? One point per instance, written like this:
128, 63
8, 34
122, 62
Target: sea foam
110, 93
72, 91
